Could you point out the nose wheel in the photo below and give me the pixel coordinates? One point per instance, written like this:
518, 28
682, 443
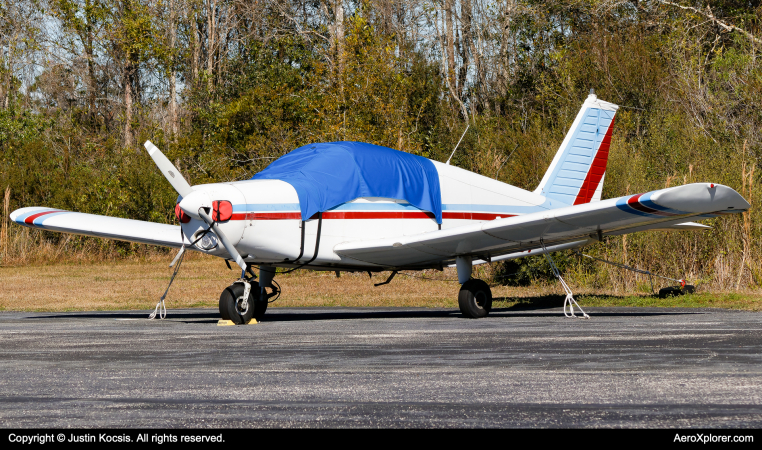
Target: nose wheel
234, 307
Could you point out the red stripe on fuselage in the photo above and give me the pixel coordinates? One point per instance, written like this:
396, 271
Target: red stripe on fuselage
30, 219
377, 215
267, 216
370, 215
474, 216
597, 169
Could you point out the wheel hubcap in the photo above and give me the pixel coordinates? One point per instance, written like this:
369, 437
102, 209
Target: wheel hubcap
242, 305
481, 299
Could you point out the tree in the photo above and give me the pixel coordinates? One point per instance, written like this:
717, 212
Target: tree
20, 36
82, 20
131, 41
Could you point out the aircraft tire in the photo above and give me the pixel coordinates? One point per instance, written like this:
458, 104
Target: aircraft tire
475, 299
228, 299
223, 306
260, 306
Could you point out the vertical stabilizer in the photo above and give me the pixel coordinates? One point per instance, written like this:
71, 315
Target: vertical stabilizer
576, 174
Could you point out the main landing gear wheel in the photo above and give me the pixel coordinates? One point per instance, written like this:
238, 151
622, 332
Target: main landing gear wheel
232, 306
475, 299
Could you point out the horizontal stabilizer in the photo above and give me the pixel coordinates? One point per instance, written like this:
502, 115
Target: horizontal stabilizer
534, 252
685, 226
99, 226
688, 226
666, 226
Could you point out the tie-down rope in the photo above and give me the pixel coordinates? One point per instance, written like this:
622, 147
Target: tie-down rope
569, 300
161, 308
650, 274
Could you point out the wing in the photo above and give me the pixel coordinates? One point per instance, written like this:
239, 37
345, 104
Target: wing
666, 208
99, 226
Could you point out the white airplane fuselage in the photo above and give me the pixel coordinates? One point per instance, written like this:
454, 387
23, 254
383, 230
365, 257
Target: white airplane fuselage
266, 224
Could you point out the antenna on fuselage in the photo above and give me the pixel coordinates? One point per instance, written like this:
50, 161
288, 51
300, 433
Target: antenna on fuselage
456, 145
506, 160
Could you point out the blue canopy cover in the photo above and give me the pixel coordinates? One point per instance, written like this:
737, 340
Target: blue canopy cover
329, 174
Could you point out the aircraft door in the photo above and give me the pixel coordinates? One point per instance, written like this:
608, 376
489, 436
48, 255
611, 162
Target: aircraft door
271, 221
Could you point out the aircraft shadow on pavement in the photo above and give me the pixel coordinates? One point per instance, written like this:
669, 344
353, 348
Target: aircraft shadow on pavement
528, 307
211, 315
273, 315
355, 314
541, 302
404, 313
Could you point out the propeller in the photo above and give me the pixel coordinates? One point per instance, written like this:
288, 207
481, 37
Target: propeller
168, 170
195, 203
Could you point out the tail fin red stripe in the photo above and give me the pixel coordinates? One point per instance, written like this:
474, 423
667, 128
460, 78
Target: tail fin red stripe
597, 169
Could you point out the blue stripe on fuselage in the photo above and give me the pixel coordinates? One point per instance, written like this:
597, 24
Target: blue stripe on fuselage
461, 207
266, 207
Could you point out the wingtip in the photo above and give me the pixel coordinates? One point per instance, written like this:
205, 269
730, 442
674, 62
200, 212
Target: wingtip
701, 198
20, 214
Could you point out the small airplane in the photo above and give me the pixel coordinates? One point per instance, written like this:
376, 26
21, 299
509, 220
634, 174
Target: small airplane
351, 206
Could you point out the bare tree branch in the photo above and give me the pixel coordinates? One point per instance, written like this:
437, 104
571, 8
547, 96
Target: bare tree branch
710, 15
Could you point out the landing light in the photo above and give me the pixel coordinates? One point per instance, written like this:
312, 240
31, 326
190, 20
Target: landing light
208, 241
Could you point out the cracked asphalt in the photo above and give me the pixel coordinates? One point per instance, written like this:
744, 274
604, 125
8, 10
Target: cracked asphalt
383, 367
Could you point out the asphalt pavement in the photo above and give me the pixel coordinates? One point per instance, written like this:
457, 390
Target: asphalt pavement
383, 367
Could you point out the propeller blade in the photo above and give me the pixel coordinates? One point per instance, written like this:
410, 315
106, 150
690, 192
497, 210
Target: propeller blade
169, 171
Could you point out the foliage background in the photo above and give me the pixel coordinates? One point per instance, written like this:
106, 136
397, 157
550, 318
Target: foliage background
226, 86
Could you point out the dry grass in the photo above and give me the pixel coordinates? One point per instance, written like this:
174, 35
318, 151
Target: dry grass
137, 284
